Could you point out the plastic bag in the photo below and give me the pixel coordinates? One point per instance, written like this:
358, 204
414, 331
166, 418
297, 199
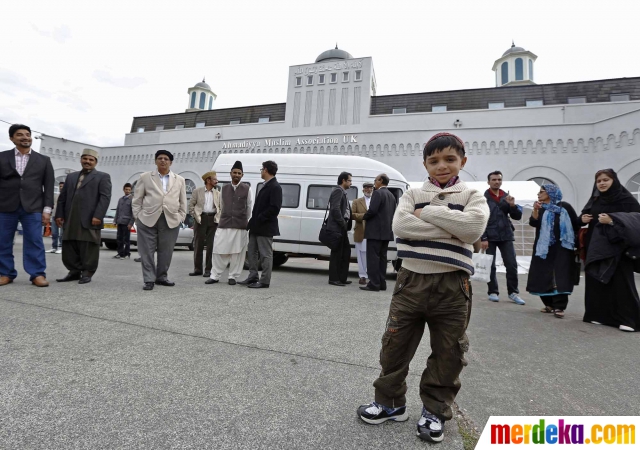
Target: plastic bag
482, 267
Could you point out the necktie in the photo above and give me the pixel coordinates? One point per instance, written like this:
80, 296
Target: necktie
80, 179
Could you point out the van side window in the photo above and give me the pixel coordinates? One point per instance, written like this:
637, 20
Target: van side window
318, 196
397, 193
290, 194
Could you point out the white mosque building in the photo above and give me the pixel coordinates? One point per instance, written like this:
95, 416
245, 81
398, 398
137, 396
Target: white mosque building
561, 132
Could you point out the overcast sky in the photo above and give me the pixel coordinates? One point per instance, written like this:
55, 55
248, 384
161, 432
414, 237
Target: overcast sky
82, 70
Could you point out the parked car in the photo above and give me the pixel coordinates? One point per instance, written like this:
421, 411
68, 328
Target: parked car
110, 233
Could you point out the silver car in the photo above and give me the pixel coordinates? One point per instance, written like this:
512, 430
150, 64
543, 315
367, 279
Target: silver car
110, 233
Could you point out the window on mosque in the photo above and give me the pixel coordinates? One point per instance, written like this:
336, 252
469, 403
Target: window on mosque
290, 194
193, 100
345, 76
619, 97
496, 105
159, 127
140, 129
179, 126
210, 102
310, 80
358, 75
519, 69
334, 78
321, 79
234, 122
298, 81
633, 185
263, 120
542, 180
504, 68
438, 108
531, 69
318, 196
200, 124
203, 98
574, 100
535, 103
399, 111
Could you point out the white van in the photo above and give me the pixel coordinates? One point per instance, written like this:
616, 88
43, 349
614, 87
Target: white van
307, 181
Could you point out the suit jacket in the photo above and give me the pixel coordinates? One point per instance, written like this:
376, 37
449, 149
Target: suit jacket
357, 211
338, 204
264, 217
379, 216
196, 204
33, 190
124, 212
95, 196
150, 200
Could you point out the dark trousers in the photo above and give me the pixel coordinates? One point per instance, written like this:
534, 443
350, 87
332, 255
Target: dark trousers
260, 249
556, 301
80, 257
204, 233
443, 302
508, 253
56, 235
377, 263
33, 258
339, 260
124, 240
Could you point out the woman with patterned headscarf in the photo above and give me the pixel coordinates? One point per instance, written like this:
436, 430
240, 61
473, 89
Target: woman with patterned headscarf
553, 266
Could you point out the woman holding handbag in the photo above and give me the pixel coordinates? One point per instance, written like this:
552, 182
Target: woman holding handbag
553, 265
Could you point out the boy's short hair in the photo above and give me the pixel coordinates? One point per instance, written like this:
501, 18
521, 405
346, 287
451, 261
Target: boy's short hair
17, 126
495, 172
440, 141
343, 176
127, 185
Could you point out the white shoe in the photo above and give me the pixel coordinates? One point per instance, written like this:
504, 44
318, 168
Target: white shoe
626, 328
59, 251
53, 250
595, 323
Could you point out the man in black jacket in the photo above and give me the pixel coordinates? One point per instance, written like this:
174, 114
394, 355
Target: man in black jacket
82, 204
124, 222
263, 226
340, 220
499, 234
378, 232
26, 196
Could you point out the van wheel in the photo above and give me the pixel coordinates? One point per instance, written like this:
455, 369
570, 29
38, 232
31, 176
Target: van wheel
279, 259
111, 245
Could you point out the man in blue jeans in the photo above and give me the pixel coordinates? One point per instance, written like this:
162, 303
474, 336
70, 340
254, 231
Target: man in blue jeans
56, 233
499, 234
26, 184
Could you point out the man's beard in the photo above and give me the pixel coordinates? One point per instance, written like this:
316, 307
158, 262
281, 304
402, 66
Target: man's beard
367, 195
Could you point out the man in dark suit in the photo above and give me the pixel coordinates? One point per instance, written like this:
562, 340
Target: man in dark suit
263, 226
82, 204
26, 196
378, 232
340, 220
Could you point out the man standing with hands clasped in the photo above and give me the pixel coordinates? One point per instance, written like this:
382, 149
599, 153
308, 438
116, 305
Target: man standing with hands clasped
358, 209
499, 234
204, 207
124, 221
378, 232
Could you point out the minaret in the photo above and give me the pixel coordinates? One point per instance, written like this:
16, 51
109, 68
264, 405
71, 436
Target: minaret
515, 67
201, 97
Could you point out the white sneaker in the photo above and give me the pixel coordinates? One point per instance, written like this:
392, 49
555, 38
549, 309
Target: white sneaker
59, 251
53, 250
595, 323
626, 328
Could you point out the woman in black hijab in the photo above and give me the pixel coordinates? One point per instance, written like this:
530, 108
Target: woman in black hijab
616, 302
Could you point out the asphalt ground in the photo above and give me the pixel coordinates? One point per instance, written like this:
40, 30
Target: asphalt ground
107, 365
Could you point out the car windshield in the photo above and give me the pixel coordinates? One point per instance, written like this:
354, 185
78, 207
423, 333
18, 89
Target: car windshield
110, 214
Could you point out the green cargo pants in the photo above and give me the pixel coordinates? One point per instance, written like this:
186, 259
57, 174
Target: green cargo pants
443, 302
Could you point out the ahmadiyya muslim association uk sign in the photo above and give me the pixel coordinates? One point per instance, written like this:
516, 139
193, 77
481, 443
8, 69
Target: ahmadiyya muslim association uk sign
282, 142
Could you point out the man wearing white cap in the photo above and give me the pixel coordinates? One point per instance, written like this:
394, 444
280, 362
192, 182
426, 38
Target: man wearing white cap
204, 207
81, 208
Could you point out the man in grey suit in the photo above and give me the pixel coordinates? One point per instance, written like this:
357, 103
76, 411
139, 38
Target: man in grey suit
159, 207
81, 207
26, 196
378, 232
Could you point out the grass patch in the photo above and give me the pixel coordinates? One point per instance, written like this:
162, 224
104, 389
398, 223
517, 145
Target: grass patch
467, 429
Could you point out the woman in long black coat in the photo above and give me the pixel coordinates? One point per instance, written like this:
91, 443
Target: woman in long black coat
553, 268
615, 303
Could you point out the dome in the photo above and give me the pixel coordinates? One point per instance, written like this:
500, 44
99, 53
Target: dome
513, 49
333, 54
202, 85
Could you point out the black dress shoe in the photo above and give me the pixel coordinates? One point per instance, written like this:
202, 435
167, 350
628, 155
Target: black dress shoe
231, 281
247, 282
69, 277
211, 281
369, 288
84, 280
195, 274
258, 285
137, 259
148, 287
346, 282
165, 283
207, 274
336, 283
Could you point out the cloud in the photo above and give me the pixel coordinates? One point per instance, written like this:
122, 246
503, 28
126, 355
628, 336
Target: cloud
122, 82
74, 101
13, 84
59, 34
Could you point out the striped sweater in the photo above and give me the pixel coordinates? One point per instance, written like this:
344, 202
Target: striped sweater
452, 219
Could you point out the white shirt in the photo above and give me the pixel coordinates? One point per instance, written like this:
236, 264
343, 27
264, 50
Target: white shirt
165, 181
367, 200
22, 160
208, 202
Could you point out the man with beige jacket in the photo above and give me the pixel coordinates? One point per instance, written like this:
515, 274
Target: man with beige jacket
204, 207
159, 207
358, 210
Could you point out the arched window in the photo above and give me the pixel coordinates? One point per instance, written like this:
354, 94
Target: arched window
633, 185
542, 180
193, 100
519, 69
211, 102
505, 72
190, 186
531, 69
203, 98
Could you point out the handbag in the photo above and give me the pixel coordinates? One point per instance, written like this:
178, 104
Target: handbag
482, 267
328, 237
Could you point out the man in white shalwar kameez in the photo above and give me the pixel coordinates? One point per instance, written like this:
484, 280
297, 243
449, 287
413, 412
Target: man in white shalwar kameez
232, 238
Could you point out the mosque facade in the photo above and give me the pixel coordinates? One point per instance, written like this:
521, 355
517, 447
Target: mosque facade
560, 132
